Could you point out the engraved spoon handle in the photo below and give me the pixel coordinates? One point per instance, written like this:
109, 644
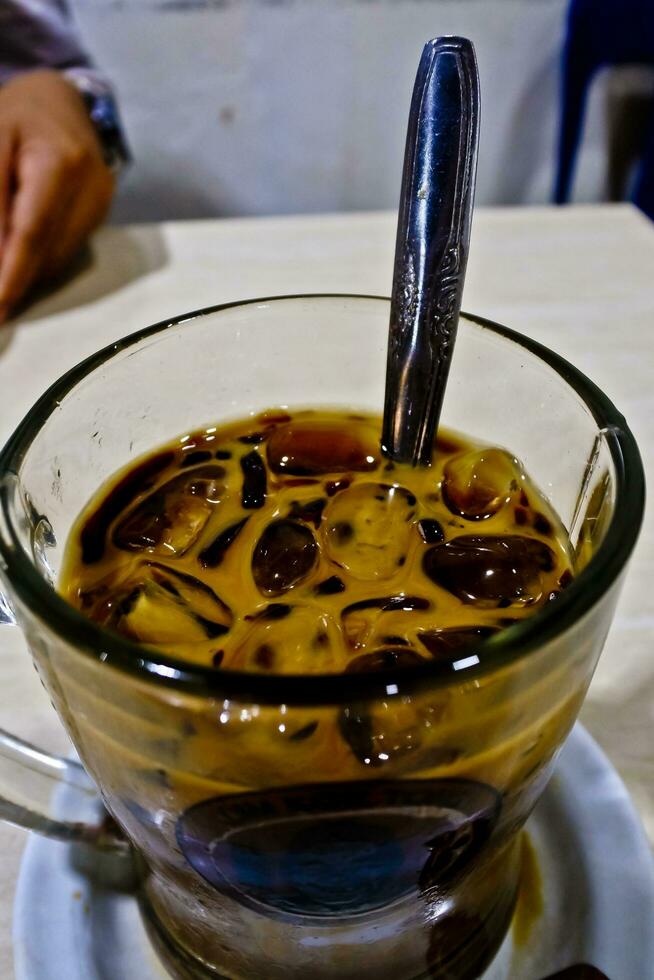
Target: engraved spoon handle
431, 251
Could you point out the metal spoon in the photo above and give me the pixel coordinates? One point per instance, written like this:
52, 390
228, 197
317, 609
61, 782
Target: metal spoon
431, 251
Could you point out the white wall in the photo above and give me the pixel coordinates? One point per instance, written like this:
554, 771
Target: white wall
264, 106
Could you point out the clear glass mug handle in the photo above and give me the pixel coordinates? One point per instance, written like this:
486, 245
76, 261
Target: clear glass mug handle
47, 793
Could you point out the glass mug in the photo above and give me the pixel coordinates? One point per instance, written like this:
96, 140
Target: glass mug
268, 844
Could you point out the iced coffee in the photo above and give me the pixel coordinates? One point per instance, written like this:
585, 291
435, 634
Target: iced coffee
286, 544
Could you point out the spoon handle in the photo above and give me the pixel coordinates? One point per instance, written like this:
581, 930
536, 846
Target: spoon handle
431, 251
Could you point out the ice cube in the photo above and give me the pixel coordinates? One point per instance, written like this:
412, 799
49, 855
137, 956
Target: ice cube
382, 732
367, 529
443, 644
305, 640
160, 606
364, 621
136, 482
169, 520
285, 555
309, 448
477, 483
207, 606
491, 571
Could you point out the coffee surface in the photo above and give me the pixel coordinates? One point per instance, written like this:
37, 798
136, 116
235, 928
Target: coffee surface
286, 543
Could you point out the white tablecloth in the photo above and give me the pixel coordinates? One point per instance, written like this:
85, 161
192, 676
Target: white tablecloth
580, 280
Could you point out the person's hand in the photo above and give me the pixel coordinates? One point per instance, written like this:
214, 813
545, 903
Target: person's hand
54, 185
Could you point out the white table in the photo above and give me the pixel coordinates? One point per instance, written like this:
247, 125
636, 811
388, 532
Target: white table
538, 270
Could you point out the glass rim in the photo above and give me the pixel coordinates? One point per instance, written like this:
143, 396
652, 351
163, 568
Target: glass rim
510, 645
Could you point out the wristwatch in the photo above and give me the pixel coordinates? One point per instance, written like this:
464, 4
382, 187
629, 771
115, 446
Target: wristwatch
103, 113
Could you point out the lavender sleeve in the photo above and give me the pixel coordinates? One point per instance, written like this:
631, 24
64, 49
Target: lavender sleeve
42, 34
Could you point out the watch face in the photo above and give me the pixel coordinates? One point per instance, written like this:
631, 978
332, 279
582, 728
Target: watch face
103, 113
337, 849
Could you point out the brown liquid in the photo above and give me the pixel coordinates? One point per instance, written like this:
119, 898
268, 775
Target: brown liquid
290, 545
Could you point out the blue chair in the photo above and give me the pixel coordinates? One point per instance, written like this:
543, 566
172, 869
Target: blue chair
602, 33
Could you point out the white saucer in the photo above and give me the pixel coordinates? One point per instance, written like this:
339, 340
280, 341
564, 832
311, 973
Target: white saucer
595, 862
